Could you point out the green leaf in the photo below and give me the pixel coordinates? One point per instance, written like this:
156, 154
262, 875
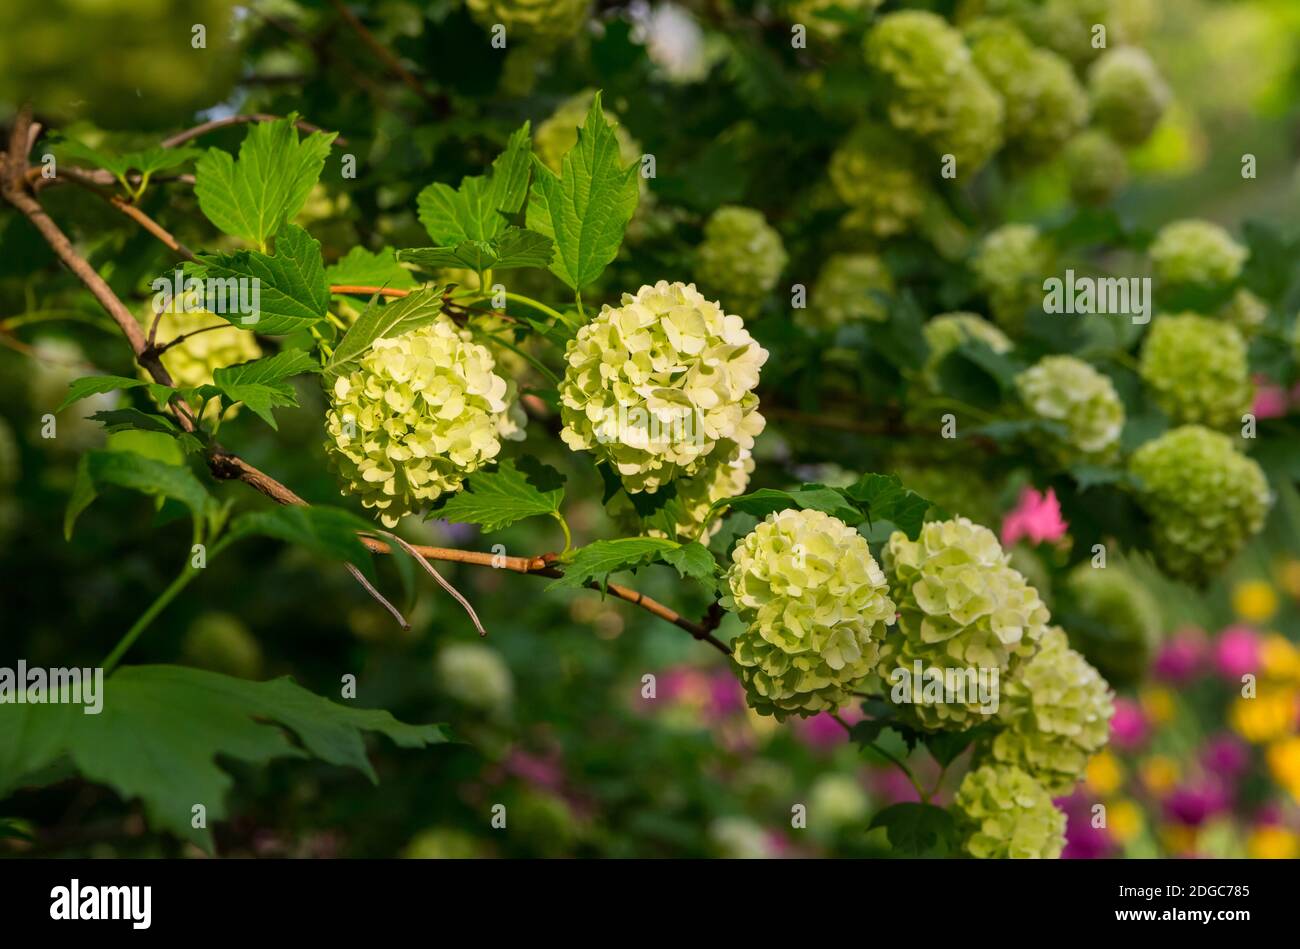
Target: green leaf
328, 531
883, 498
364, 268
946, 746
496, 499
511, 250
163, 728
260, 384
476, 211
146, 163
815, 497
125, 469
586, 208
87, 386
692, 561
595, 562
255, 196
916, 830
130, 419
383, 321
292, 291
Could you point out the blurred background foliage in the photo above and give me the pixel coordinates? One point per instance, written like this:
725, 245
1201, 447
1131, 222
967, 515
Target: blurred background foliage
550, 706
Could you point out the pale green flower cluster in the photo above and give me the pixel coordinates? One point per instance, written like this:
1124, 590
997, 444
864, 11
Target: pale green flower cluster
542, 21
475, 675
960, 606
1126, 620
1128, 94
422, 411
1010, 265
1245, 311
846, 290
815, 605
192, 362
1096, 167
1054, 715
558, 133
655, 386
1066, 26
947, 331
1004, 813
1045, 104
1067, 390
740, 259
874, 172
1197, 370
1193, 251
57, 363
1205, 498
724, 474
808, 13
935, 91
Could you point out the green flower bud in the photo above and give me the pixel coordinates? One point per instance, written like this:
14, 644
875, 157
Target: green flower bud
1096, 167
1055, 715
815, 605
422, 411
724, 474
1002, 812
874, 172
1010, 265
961, 606
1197, 370
935, 91
808, 12
475, 675
1067, 390
192, 362
837, 800
1245, 311
1045, 104
1128, 94
442, 843
548, 22
1196, 252
740, 259
1120, 622
1205, 498
947, 331
222, 643
846, 290
655, 385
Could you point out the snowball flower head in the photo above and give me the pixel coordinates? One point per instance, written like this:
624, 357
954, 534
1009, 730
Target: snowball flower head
653, 386
846, 292
1196, 367
815, 604
1009, 266
192, 362
1069, 391
546, 22
422, 411
1128, 94
1003, 812
874, 172
740, 259
1193, 251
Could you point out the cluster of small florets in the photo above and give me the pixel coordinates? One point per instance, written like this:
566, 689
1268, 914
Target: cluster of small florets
1128, 94
1096, 167
724, 474
815, 605
1003, 812
1245, 311
192, 362
1067, 26
1196, 252
1205, 498
654, 386
740, 259
1125, 620
947, 331
961, 606
1197, 370
874, 172
1045, 104
1054, 715
476, 675
1009, 266
935, 91
541, 21
808, 12
1068, 390
422, 411
848, 289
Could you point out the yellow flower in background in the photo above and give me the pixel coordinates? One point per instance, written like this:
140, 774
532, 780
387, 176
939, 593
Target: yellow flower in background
1288, 575
1255, 601
1159, 774
1103, 774
1279, 657
1158, 704
1284, 761
1272, 843
1268, 716
1124, 821
1178, 839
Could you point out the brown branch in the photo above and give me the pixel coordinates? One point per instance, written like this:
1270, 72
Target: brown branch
369, 291
439, 102
180, 138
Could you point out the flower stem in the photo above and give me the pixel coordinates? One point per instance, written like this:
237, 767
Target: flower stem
187, 574
536, 305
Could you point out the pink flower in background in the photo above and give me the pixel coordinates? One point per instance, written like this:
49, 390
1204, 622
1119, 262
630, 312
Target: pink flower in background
1036, 516
1236, 652
822, 731
543, 771
1181, 656
1194, 804
1225, 755
1083, 841
1270, 399
892, 786
1128, 726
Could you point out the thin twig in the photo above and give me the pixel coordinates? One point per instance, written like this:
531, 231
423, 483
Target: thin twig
441, 581
180, 138
184, 336
152, 226
369, 291
439, 103
361, 579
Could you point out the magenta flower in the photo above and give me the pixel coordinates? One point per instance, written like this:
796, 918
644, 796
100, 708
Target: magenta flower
1128, 726
1194, 804
1236, 652
822, 731
538, 770
1181, 656
1270, 399
1225, 755
1083, 841
1036, 516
